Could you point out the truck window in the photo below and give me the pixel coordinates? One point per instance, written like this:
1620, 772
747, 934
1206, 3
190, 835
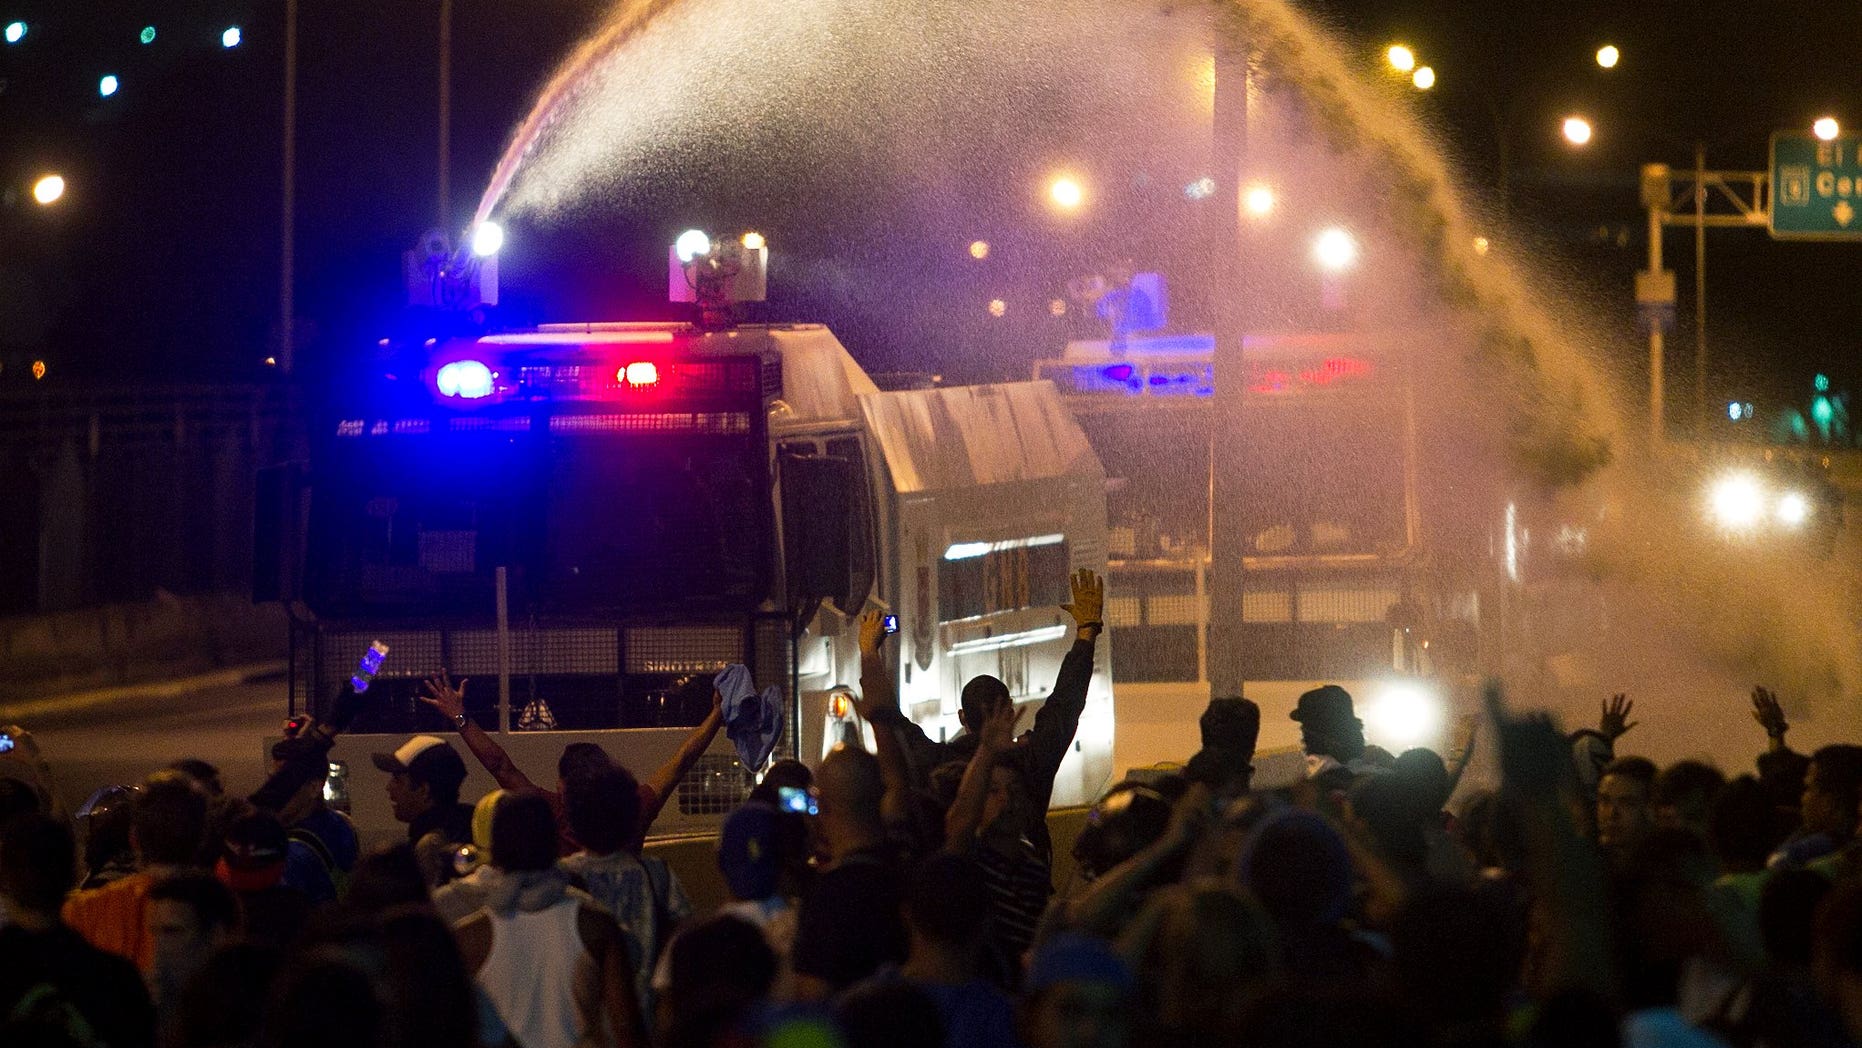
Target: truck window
988, 578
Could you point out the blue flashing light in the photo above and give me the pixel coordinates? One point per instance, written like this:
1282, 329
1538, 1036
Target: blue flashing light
1119, 372
1822, 410
147, 35
465, 379
1822, 382
15, 32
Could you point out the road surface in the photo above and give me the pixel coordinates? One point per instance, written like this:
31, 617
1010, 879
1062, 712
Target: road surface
116, 736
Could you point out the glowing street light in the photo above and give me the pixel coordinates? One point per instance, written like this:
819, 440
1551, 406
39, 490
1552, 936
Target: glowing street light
1608, 56
1826, 128
997, 307
49, 190
1066, 193
15, 32
753, 241
231, 38
1402, 59
979, 249
1423, 78
1258, 200
1577, 130
108, 86
1335, 250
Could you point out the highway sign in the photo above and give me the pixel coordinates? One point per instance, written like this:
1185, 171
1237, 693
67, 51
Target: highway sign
1816, 187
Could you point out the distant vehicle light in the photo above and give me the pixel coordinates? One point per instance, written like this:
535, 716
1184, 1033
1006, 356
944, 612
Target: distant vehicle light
1403, 714
15, 32
465, 379
1737, 501
487, 239
693, 243
231, 38
754, 242
108, 86
1793, 509
640, 373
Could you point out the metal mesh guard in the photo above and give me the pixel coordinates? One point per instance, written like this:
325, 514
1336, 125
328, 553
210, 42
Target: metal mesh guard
587, 652
683, 649
716, 785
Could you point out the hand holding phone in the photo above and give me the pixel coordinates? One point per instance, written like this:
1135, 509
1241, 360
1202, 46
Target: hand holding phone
891, 624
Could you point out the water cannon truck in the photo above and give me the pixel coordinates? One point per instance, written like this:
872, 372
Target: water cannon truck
588, 520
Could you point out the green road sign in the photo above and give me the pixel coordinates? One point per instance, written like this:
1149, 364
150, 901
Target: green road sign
1816, 187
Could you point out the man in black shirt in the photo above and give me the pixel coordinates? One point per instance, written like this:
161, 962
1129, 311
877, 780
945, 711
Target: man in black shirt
52, 982
1037, 755
850, 923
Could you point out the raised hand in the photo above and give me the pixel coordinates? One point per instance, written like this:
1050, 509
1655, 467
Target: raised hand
442, 695
1089, 598
1535, 760
1614, 721
998, 735
1769, 714
872, 631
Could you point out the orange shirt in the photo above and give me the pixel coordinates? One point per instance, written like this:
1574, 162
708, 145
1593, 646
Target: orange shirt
114, 918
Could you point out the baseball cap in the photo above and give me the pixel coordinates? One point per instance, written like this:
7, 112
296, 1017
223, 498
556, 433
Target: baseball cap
428, 758
252, 853
1327, 704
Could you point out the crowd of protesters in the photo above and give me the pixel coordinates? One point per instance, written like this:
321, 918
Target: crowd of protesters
1591, 898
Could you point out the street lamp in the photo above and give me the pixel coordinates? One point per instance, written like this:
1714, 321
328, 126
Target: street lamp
1259, 200
49, 190
1066, 193
1424, 78
1335, 250
1577, 130
1608, 56
1826, 128
1402, 59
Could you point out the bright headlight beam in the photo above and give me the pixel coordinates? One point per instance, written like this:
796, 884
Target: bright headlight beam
692, 244
487, 239
1793, 509
1737, 501
1404, 714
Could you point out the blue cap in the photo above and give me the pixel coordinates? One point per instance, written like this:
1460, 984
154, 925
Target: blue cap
750, 851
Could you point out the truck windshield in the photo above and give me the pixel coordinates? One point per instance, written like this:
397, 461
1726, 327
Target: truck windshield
416, 526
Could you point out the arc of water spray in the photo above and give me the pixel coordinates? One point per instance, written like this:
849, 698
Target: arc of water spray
625, 24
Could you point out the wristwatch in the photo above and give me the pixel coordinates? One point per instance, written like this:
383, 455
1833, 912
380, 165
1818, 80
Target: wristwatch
459, 721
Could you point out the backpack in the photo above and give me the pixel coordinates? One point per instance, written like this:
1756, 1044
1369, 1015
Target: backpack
339, 877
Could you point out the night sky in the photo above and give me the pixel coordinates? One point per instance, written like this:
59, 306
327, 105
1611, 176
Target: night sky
162, 262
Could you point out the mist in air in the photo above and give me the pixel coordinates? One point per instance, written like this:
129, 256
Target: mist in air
872, 143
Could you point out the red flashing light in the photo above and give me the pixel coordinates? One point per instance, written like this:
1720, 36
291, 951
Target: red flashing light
1335, 369
639, 373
